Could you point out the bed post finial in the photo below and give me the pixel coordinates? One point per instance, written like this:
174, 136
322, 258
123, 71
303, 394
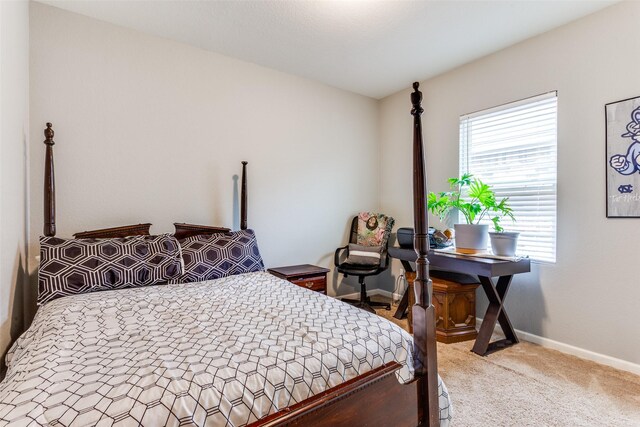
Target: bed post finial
424, 325
49, 184
48, 134
416, 100
243, 197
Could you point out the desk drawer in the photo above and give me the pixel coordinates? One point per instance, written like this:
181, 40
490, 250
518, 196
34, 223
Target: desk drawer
315, 283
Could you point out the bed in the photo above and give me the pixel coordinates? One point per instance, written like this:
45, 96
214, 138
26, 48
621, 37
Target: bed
245, 349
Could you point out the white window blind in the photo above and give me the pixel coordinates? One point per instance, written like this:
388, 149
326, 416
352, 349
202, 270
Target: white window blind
513, 148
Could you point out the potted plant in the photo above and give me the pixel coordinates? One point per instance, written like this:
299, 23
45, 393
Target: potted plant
503, 243
478, 202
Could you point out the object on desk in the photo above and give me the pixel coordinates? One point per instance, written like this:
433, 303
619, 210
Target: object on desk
306, 276
454, 298
437, 238
504, 243
449, 233
405, 237
372, 230
486, 254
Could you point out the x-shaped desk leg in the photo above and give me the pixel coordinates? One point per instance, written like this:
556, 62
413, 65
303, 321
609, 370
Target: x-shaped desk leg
404, 303
495, 313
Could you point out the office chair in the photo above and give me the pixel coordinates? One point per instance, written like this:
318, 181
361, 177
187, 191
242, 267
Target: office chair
366, 254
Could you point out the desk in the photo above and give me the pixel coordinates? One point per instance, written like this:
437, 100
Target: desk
485, 269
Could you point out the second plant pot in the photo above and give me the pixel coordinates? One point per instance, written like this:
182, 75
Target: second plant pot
505, 243
471, 238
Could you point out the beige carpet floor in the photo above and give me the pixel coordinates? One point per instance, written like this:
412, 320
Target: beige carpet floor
529, 385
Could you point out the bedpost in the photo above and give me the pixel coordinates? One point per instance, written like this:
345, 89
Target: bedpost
49, 185
424, 328
243, 198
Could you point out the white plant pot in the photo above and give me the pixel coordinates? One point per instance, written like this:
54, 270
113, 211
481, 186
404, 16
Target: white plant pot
471, 238
505, 243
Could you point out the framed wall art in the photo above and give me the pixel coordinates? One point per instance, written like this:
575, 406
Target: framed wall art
623, 158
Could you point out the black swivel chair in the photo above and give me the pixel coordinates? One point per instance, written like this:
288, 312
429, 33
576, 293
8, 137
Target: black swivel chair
362, 271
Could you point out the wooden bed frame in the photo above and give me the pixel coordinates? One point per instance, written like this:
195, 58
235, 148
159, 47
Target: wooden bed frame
375, 398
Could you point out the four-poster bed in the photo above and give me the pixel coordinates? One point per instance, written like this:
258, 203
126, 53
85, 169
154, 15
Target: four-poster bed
388, 394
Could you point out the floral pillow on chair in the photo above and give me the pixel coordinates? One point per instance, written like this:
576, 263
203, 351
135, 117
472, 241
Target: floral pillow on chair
374, 229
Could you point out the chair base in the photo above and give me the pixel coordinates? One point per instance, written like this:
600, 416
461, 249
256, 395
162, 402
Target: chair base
367, 304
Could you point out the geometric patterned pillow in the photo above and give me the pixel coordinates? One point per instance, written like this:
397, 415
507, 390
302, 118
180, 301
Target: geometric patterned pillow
76, 266
208, 257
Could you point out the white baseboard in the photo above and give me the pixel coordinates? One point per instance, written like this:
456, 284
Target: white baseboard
573, 350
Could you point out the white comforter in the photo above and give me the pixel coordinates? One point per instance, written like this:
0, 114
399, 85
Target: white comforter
223, 352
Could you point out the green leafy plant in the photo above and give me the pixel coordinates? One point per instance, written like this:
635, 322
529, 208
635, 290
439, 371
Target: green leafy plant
474, 204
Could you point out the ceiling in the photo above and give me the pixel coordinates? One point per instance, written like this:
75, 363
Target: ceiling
373, 48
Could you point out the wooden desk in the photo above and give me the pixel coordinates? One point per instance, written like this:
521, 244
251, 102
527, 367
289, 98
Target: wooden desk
485, 269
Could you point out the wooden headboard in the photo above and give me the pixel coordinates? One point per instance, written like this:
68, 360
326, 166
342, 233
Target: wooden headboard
123, 231
182, 230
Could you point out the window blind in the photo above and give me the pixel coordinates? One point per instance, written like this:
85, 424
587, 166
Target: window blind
513, 148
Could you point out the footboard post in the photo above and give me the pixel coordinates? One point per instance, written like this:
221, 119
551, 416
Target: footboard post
424, 328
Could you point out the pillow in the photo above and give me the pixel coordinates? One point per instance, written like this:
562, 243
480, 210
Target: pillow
208, 257
77, 266
373, 229
364, 255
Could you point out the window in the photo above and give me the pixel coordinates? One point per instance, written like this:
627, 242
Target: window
513, 148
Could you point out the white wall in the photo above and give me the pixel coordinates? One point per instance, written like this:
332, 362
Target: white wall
589, 297
150, 130
14, 119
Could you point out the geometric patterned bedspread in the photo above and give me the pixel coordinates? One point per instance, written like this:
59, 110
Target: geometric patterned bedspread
222, 353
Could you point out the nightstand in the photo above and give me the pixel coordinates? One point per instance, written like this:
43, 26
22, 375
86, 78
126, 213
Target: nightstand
305, 275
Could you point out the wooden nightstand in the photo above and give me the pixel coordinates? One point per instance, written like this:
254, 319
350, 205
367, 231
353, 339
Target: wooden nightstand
305, 275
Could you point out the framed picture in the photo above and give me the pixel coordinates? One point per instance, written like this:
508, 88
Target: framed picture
623, 158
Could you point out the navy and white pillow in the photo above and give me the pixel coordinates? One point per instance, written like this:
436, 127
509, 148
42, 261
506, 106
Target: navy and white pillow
208, 257
76, 266
364, 255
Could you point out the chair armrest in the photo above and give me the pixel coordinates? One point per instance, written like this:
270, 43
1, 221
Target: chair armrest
384, 262
384, 259
336, 257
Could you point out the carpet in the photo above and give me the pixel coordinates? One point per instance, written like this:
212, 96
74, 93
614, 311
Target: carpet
529, 385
